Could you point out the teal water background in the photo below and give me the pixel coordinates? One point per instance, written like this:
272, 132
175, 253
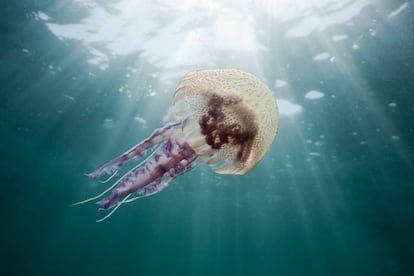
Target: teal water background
82, 81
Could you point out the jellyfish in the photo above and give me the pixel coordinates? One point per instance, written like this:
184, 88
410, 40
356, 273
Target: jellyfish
226, 118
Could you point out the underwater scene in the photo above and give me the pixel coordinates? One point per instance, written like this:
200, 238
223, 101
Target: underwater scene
207, 137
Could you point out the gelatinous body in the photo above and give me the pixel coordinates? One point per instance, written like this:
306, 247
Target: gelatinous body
227, 118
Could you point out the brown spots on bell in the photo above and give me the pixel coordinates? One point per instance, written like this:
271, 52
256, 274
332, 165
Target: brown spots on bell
219, 131
230, 118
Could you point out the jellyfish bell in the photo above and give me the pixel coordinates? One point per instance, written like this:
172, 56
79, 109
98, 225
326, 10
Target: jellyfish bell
227, 118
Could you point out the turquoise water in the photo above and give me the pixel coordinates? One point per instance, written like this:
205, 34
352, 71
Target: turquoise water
82, 81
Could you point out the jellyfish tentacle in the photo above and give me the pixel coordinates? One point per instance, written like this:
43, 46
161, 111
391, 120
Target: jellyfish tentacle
171, 160
161, 184
113, 185
151, 189
94, 197
138, 151
113, 210
108, 179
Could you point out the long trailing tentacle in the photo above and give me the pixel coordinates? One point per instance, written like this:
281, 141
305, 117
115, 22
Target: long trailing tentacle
94, 197
157, 185
171, 160
161, 184
138, 151
154, 187
113, 210
113, 185
108, 179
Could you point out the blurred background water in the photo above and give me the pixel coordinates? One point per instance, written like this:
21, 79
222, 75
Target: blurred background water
82, 81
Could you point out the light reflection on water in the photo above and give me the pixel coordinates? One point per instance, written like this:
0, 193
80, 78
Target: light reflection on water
191, 32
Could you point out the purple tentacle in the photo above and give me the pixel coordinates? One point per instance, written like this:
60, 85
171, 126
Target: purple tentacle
171, 160
138, 151
160, 184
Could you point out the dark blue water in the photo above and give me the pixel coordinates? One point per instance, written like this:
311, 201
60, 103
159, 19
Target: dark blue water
82, 81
